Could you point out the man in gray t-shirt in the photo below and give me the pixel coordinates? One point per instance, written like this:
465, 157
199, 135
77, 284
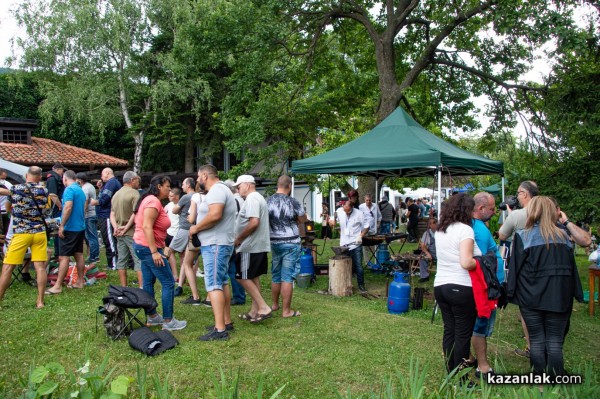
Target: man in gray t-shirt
91, 222
216, 217
252, 246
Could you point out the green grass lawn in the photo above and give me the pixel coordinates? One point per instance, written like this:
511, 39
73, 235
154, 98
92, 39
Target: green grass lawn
337, 345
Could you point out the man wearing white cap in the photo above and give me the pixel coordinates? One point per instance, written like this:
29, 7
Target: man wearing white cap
252, 245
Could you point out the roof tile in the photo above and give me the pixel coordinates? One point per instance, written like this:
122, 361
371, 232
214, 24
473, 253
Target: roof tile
48, 152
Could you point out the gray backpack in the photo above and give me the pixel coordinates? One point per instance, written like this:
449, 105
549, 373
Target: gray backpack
114, 320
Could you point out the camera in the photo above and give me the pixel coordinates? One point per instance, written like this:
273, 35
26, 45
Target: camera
511, 202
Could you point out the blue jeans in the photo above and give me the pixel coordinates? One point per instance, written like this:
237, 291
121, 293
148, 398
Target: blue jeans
238, 293
150, 273
216, 265
357, 260
546, 336
91, 236
285, 263
385, 227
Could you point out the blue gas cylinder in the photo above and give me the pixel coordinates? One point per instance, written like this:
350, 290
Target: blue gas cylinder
399, 294
306, 262
382, 254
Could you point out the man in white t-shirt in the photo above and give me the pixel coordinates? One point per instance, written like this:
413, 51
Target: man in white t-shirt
372, 216
353, 227
252, 246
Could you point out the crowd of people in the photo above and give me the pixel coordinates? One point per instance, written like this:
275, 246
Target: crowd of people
229, 225
536, 270
233, 228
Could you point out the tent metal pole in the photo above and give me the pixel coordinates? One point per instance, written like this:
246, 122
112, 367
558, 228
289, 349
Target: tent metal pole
376, 190
503, 212
439, 199
293, 181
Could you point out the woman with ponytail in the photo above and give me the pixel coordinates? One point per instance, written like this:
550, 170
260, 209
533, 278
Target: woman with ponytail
151, 224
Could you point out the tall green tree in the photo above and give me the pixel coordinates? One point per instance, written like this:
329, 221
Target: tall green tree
98, 46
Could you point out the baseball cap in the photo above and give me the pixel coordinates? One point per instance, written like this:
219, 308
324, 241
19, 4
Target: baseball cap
244, 179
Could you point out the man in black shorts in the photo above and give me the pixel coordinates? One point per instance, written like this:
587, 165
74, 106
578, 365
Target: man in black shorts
71, 232
252, 244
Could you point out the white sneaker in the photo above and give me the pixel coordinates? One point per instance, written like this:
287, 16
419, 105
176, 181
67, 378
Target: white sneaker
174, 325
200, 274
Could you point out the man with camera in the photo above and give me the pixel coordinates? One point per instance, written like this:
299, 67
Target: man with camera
517, 219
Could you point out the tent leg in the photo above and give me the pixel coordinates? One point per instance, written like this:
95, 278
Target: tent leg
439, 199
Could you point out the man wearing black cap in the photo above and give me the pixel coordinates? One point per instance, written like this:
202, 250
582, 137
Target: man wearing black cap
55, 186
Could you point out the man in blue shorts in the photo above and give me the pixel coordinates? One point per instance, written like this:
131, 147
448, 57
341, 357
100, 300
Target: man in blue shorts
71, 232
215, 231
485, 208
285, 214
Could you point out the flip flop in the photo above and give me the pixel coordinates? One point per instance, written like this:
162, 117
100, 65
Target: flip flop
295, 314
48, 292
245, 316
261, 317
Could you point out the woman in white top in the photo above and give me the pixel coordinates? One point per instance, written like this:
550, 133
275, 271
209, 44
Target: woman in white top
455, 247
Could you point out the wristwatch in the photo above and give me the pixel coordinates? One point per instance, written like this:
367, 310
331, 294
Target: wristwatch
566, 222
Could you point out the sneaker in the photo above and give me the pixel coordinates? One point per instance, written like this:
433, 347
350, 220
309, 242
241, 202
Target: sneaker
228, 327
178, 291
191, 301
200, 274
522, 352
175, 325
362, 288
207, 303
154, 321
214, 335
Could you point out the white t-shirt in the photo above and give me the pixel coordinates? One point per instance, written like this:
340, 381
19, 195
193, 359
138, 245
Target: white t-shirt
350, 226
4, 198
173, 218
222, 232
259, 241
447, 245
372, 216
198, 198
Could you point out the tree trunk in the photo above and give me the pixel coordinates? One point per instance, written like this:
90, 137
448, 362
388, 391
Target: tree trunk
189, 151
366, 185
340, 276
389, 89
138, 139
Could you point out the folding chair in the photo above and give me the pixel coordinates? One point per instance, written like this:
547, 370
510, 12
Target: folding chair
129, 302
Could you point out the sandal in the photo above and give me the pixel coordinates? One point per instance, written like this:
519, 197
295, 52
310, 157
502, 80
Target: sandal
245, 316
261, 317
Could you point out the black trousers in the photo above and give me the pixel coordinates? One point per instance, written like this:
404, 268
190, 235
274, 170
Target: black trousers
110, 243
413, 230
458, 312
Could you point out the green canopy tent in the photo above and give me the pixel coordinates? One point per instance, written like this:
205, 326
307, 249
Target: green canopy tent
399, 147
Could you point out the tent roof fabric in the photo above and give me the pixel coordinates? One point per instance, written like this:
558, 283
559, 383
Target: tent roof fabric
398, 147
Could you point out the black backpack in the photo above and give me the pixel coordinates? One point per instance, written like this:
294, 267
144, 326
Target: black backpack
128, 297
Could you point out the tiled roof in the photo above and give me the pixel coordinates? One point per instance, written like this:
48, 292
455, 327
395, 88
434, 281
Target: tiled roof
48, 152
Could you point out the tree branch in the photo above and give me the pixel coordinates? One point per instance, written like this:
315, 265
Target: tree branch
486, 76
429, 51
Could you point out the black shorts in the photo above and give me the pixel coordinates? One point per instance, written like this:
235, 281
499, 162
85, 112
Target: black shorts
168, 240
71, 244
249, 266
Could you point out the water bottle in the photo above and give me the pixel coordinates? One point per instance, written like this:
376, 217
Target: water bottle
91, 281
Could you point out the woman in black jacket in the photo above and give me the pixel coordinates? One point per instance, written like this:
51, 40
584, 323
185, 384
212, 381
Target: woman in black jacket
543, 280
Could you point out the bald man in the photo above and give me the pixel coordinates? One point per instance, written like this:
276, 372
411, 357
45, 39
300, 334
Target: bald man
110, 185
